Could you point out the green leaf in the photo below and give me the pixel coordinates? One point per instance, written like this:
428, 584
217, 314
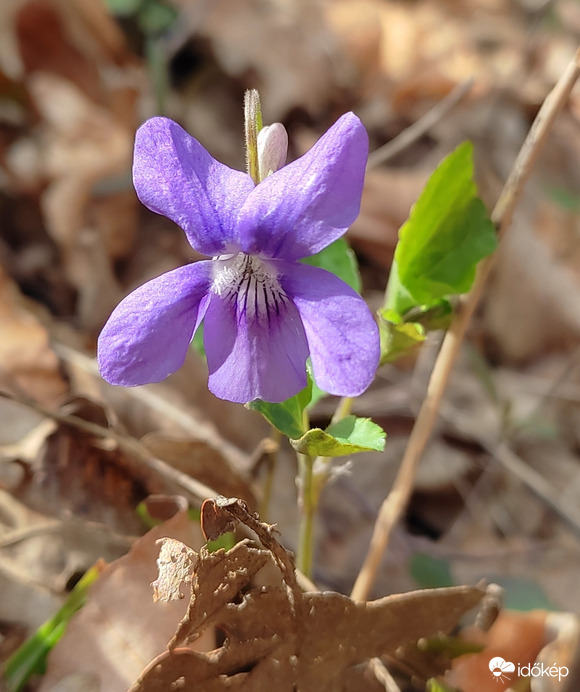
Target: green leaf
287, 417
123, 8
430, 572
522, 594
339, 259
349, 435
398, 338
30, 658
446, 235
566, 199
156, 17
450, 647
197, 342
438, 316
435, 685
317, 393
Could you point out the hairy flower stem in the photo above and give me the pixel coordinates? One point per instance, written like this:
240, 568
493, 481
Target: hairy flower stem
313, 474
252, 125
308, 503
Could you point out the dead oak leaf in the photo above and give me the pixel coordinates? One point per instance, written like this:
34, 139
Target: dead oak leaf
272, 640
339, 633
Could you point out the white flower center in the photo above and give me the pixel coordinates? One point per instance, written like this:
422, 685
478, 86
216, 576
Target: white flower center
249, 281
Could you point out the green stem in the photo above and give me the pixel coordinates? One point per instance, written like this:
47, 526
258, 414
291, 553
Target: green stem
313, 474
343, 409
158, 70
308, 509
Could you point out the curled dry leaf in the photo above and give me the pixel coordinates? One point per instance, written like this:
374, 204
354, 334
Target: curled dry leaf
281, 638
91, 477
214, 522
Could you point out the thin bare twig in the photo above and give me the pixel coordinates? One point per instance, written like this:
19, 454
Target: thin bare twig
383, 676
565, 376
514, 464
192, 489
412, 133
397, 499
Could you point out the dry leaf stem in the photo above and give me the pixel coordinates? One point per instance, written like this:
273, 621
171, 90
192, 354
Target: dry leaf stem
397, 499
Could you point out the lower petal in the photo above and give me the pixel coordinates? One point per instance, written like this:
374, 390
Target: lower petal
342, 334
148, 335
254, 357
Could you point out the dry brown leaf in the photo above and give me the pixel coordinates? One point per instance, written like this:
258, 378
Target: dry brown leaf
82, 145
336, 635
81, 473
121, 616
27, 362
45, 46
80, 154
357, 28
218, 578
562, 634
201, 460
181, 406
339, 633
27, 567
300, 641
91, 470
175, 563
211, 671
516, 637
287, 44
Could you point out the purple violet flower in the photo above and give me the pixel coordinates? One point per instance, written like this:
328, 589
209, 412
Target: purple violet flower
263, 311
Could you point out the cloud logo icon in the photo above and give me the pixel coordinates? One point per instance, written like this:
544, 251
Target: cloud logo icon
499, 668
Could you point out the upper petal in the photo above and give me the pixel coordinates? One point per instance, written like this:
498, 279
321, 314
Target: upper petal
251, 357
147, 336
342, 334
176, 177
306, 205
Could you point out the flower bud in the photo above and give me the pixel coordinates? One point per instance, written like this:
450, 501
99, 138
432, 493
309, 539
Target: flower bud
272, 149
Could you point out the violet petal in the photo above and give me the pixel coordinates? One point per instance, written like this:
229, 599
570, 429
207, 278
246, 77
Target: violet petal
254, 358
303, 207
342, 334
176, 177
147, 336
